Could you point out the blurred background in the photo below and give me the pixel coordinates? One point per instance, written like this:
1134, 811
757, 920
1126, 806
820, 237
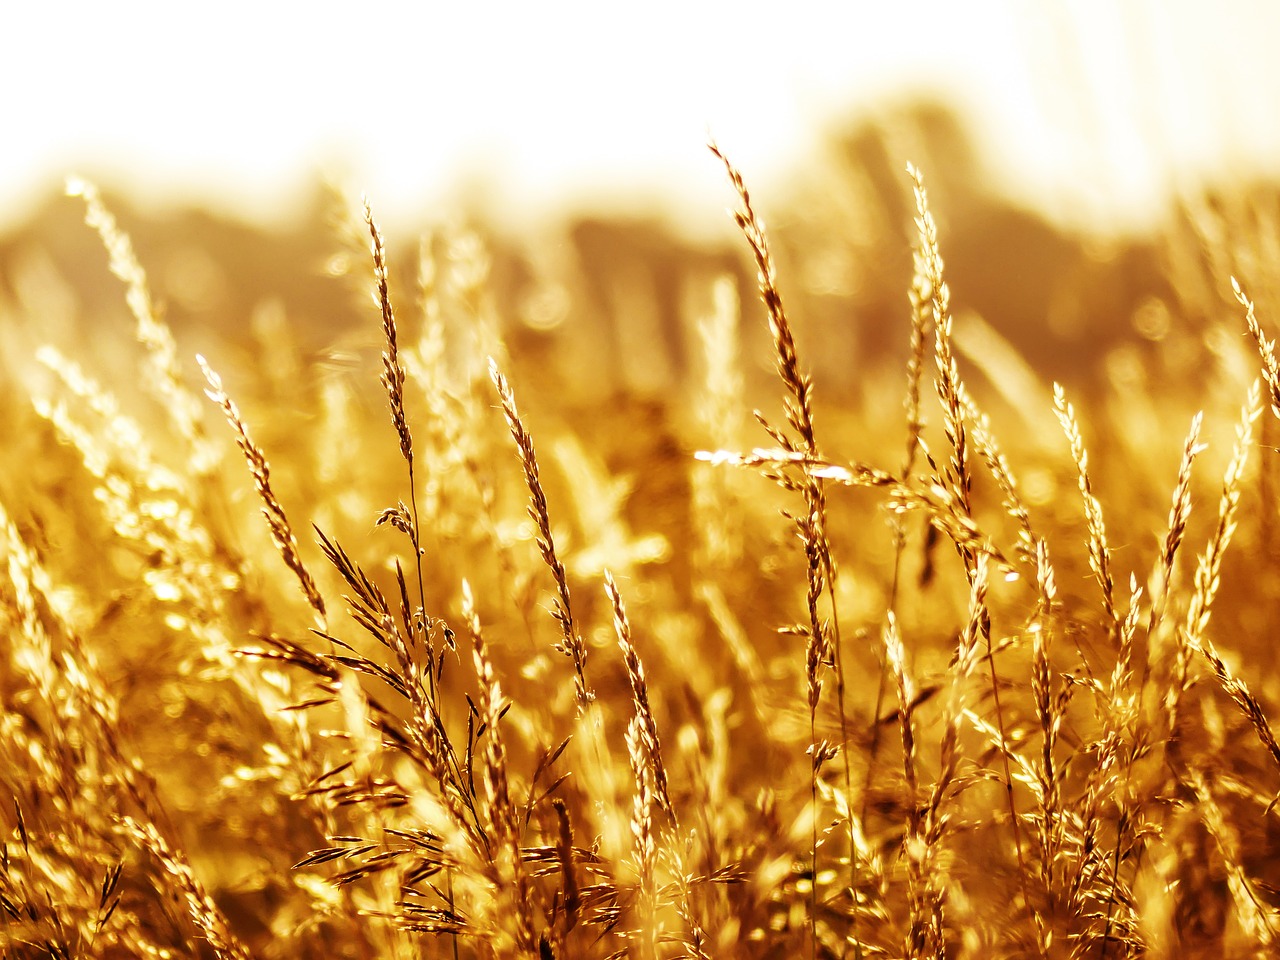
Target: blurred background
1091, 111
1059, 140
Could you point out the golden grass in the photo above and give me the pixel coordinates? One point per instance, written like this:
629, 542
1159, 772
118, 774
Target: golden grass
932, 711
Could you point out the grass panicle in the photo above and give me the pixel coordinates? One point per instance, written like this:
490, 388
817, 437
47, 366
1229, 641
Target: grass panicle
277, 519
1099, 549
571, 643
164, 370
648, 726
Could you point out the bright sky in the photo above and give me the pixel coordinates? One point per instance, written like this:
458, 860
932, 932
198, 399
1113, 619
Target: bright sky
1094, 106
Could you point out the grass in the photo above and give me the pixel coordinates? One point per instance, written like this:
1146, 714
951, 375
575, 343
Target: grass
833, 685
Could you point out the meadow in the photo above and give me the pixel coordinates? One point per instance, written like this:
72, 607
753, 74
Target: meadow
837, 628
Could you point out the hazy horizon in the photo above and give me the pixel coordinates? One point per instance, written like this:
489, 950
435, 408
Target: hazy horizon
1094, 112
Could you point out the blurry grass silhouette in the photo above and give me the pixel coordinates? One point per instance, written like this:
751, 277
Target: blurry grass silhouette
559, 676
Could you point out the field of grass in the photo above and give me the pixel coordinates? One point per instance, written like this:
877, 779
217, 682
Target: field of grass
457, 653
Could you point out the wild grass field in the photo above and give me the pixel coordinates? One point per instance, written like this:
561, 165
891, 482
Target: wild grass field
836, 629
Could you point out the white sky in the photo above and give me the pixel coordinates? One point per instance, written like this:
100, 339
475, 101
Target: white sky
1095, 106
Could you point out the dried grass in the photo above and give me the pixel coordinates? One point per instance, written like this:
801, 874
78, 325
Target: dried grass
1070, 753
